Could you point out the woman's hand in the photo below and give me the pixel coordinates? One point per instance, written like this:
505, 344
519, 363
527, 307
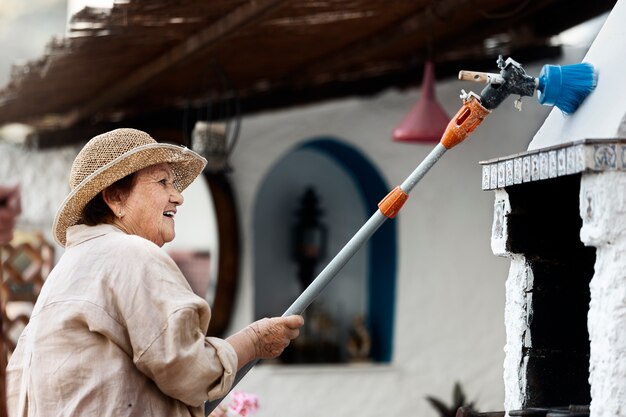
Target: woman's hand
272, 336
265, 338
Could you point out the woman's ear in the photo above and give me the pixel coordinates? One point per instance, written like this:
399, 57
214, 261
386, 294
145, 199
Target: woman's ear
114, 198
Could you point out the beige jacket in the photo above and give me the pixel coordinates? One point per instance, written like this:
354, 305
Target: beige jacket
117, 331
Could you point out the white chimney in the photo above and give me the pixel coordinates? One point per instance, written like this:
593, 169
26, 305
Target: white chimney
560, 216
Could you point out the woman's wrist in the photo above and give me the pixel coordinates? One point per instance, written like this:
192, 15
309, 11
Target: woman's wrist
244, 342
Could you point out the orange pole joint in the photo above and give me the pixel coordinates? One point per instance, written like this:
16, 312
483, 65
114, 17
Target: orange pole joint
393, 202
464, 121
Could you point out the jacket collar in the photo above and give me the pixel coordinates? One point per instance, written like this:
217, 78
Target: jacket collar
81, 233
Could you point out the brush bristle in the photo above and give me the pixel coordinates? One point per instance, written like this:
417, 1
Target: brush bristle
566, 86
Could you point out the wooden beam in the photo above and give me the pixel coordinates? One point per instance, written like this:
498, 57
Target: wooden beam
165, 124
241, 16
345, 55
423, 19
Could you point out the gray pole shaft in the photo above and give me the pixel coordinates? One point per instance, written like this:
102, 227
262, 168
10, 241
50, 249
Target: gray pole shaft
334, 266
425, 166
365, 232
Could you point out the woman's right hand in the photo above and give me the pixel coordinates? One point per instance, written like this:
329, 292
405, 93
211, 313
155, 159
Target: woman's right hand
265, 338
272, 335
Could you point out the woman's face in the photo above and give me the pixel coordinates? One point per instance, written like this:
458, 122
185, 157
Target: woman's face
149, 209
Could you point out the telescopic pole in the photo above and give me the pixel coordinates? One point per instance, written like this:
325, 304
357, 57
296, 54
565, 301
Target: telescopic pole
468, 117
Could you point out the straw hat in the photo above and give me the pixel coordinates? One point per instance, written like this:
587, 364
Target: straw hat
110, 157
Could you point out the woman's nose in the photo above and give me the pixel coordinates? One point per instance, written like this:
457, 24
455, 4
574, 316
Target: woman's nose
176, 197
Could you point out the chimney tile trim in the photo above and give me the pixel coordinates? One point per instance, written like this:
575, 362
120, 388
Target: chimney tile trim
585, 155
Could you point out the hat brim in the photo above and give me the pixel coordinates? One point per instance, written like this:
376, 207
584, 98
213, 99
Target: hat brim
186, 166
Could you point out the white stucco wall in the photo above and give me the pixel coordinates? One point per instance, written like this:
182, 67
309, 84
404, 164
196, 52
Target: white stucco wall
450, 288
518, 308
43, 177
604, 226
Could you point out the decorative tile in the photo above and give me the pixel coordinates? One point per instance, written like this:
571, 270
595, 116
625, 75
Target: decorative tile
556, 161
486, 177
494, 176
501, 175
543, 166
526, 169
517, 171
552, 164
508, 172
580, 158
570, 157
560, 162
534, 167
604, 156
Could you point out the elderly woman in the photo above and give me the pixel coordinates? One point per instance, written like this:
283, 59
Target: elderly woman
117, 330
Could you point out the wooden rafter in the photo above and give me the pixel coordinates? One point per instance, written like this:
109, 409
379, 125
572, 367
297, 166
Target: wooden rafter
235, 20
144, 60
421, 19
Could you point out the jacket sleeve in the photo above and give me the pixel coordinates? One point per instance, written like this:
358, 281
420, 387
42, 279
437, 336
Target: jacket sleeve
167, 324
185, 364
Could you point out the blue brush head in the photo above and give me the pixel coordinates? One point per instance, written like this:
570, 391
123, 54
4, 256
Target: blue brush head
566, 86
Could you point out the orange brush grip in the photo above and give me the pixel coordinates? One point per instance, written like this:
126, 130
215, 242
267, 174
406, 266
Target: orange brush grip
393, 202
463, 123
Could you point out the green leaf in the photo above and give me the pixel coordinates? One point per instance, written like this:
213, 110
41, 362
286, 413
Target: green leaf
458, 397
441, 408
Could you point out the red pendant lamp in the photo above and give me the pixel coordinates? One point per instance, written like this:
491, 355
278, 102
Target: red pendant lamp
427, 121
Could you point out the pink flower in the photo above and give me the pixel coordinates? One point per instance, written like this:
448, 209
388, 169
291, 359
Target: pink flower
243, 404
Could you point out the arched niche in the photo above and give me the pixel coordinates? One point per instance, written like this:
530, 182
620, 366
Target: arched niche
350, 187
208, 223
